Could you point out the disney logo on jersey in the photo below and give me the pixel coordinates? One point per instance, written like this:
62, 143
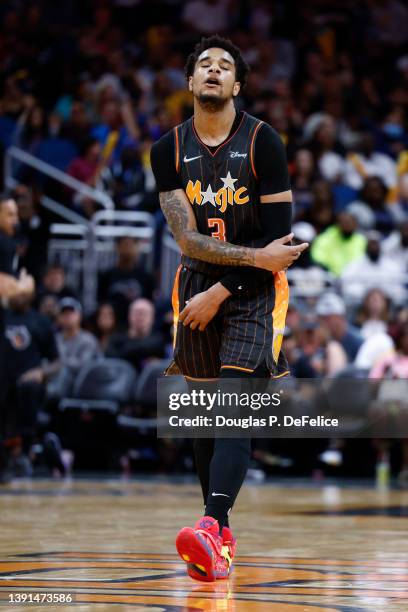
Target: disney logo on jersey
227, 194
237, 154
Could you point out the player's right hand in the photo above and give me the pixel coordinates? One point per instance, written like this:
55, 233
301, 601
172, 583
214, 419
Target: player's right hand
279, 255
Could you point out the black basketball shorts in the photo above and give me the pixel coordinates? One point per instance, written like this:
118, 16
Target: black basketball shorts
246, 332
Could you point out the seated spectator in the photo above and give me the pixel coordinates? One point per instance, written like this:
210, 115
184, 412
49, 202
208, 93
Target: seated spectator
311, 353
367, 162
339, 244
125, 179
86, 168
394, 365
117, 129
374, 313
374, 268
321, 212
54, 287
322, 129
399, 208
372, 206
31, 357
140, 343
33, 232
302, 180
105, 325
396, 245
305, 276
332, 313
76, 346
373, 319
126, 281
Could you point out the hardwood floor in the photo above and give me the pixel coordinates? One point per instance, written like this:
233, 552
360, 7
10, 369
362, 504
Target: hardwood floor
111, 545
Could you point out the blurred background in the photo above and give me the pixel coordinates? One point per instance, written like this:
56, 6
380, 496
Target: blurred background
87, 87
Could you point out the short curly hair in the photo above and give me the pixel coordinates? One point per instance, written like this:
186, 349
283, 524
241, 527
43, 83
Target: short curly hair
241, 67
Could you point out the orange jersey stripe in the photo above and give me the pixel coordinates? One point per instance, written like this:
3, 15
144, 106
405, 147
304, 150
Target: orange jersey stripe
176, 142
251, 151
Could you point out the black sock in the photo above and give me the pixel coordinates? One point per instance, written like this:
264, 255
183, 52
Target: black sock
203, 451
228, 468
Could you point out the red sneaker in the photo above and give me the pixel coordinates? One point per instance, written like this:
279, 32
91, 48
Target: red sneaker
229, 546
201, 548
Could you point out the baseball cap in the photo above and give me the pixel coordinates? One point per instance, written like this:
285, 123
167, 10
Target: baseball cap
330, 303
69, 303
303, 231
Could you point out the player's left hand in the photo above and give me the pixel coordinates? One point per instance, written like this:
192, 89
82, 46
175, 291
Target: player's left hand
203, 307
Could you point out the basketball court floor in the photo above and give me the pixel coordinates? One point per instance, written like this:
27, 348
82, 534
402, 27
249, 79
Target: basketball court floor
110, 545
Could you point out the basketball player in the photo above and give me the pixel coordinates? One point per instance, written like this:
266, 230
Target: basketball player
224, 190
9, 287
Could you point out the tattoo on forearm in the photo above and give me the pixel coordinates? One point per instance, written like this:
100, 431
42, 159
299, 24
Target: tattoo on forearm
175, 213
198, 245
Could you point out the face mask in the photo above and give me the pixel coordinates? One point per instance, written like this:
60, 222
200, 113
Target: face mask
373, 256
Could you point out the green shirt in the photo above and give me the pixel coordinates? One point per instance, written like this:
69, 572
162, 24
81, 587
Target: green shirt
333, 251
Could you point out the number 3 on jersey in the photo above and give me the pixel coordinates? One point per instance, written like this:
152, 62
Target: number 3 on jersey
219, 224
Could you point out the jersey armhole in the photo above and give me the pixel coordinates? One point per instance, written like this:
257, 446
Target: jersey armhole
252, 147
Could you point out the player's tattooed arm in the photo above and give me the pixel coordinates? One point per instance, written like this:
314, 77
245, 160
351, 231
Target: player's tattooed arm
180, 217
275, 256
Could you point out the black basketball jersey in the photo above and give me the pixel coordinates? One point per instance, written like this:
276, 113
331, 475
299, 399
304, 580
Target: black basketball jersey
222, 186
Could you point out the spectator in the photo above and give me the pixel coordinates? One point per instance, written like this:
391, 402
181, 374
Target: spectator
374, 268
105, 325
373, 320
322, 129
399, 208
33, 232
396, 245
321, 212
372, 206
54, 288
126, 281
76, 346
84, 168
311, 353
140, 343
368, 163
302, 180
206, 16
339, 244
31, 358
332, 312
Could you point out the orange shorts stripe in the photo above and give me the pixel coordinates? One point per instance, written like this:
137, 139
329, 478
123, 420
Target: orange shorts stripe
175, 303
279, 312
234, 367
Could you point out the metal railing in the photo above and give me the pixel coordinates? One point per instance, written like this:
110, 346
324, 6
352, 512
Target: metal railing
14, 153
86, 250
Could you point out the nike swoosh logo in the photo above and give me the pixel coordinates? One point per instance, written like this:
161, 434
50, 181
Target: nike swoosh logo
215, 494
189, 159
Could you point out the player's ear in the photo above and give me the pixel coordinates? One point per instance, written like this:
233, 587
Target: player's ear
236, 88
190, 83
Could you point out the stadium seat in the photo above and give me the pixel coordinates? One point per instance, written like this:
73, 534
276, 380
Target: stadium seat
146, 390
105, 384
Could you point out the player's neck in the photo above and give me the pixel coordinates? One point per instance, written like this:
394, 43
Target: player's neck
214, 128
